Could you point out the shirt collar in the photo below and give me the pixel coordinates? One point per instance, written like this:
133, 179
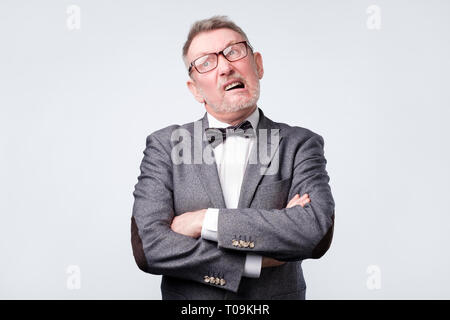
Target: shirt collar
253, 119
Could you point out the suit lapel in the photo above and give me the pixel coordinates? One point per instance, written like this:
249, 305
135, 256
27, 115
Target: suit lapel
255, 169
208, 173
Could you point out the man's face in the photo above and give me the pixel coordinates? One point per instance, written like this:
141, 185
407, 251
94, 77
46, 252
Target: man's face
210, 87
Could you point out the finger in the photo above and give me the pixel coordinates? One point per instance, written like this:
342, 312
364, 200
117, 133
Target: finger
300, 202
290, 204
297, 200
305, 202
296, 203
292, 201
305, 196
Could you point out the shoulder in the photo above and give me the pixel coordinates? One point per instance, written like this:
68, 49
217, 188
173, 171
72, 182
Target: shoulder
165, 137
297, 134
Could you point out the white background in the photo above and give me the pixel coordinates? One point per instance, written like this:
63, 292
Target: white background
77, 105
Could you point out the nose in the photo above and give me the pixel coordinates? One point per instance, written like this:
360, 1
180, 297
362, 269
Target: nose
224, 66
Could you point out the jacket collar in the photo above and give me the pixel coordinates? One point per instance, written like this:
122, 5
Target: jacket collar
256, 168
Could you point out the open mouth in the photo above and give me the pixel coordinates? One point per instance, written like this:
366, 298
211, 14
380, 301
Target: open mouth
234, 85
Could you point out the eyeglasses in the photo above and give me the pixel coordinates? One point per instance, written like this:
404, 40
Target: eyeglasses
209, 62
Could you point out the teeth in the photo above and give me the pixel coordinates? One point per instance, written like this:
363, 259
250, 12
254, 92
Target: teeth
231, 85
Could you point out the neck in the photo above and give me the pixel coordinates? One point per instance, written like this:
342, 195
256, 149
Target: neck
232, 118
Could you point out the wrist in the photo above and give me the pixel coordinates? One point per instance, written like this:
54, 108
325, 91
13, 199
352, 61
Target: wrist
201, 218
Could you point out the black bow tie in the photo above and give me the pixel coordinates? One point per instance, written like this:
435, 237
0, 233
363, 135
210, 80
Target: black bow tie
216, 136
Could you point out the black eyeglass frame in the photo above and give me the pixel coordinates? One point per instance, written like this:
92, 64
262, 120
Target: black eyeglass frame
247, 46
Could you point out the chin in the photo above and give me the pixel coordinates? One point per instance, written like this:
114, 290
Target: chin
227, 108
237, 104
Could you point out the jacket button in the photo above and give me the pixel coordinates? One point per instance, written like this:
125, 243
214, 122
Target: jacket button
222, 282
235, 243
246, 244
206, 279
241, 243
251, 245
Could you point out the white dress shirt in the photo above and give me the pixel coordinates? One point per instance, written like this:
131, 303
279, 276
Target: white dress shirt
231, 159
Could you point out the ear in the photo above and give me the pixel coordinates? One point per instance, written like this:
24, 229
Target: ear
259, 64
193, 88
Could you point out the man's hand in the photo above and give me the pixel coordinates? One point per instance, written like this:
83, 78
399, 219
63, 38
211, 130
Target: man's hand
189, 223
295, 201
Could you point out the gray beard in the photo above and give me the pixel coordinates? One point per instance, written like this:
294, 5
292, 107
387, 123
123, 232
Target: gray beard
227, 108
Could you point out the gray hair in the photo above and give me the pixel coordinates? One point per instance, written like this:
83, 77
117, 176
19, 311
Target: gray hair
213, 23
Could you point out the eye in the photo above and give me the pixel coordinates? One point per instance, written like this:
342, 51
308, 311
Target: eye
204, 62
233, 52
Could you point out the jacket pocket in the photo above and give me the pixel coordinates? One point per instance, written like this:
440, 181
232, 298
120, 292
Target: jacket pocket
272, 195
276, 186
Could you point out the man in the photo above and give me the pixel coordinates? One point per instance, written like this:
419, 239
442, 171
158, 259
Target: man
224, 229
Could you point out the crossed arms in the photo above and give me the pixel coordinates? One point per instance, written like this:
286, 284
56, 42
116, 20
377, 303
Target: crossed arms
170, 245
190, 224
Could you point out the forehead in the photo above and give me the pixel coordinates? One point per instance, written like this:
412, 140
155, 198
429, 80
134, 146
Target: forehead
212, 41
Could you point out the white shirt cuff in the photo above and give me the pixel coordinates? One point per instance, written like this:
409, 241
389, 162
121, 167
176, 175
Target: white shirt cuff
252, 267
253, 262
210, 223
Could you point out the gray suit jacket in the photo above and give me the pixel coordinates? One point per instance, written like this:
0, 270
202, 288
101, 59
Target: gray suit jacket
165, 189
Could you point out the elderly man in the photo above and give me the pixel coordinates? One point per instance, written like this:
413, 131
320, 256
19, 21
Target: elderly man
224, 229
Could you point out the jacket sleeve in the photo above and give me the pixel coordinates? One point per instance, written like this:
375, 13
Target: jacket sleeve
159, 250
288, 234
